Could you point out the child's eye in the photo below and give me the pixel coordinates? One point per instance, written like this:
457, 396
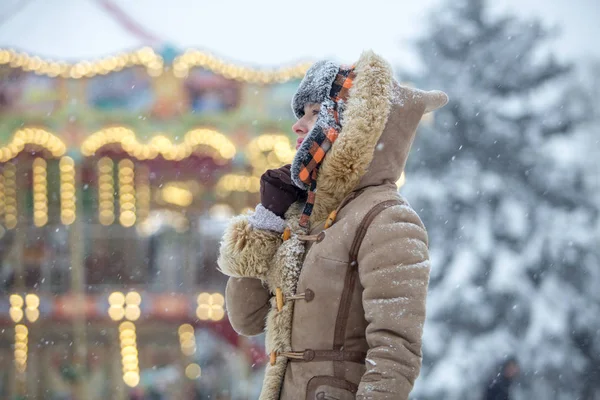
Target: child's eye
315, 112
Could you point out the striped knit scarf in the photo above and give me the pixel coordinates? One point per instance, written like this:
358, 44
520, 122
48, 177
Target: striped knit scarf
325, 132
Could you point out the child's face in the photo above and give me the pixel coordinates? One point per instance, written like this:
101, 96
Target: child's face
306, 123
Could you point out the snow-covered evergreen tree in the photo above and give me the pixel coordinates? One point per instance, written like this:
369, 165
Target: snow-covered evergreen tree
506, 180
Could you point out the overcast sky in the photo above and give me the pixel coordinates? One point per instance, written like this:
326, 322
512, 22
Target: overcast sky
266, 32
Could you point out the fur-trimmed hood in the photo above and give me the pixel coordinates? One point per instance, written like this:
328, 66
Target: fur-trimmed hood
379, 125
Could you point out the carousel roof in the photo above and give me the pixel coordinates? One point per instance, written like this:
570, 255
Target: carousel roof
258, 34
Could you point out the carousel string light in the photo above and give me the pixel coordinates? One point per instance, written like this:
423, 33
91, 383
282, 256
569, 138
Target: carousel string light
193, 371
133, 300
67, 190
2, 204
106, 191
116, 306
154, 65
21, 347
124, 306
264, 152
269, 151
129, 354
10, 196
206, 138
195, 58
187, 339
145, 57
16, 307
210, 306
33, 136
178, 195
127, 306
126, 193
32, 304
237, 183
40, 192
197, 141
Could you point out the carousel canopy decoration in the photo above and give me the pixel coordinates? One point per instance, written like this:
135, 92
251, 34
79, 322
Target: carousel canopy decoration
32, 136
153, 63
196, 141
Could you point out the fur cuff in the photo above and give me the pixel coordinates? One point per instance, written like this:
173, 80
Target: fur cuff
266, 219
247, 252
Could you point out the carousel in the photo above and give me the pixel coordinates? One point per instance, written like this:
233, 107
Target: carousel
117, 176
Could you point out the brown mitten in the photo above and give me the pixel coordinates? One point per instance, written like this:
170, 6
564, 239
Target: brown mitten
278, 192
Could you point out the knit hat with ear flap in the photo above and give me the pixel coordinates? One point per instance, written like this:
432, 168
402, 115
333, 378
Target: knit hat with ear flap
328, 84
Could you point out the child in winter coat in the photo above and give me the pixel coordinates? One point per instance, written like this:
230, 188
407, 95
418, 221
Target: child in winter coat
333, 265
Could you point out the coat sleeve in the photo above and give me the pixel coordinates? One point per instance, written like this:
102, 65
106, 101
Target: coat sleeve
247, 305
394, 272
246, 253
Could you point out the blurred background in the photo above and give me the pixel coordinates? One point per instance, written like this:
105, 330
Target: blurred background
130, 132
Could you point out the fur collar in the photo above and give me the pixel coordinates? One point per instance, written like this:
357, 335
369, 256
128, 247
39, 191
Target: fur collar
365, 117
